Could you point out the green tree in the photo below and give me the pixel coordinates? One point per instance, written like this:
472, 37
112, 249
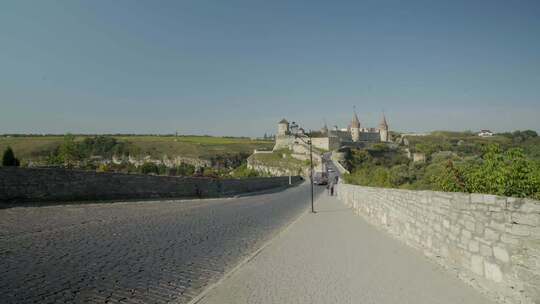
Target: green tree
399, 175
507, 173
380, 177
426, 148
451, 179
9, 159
69, 151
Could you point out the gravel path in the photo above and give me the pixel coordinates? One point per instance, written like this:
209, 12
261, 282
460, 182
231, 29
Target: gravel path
334, 256
135, 252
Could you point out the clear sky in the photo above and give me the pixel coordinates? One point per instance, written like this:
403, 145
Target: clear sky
237, 67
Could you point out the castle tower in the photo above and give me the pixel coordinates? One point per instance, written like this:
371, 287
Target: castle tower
324, 130
283, 127
355, 128
383, 129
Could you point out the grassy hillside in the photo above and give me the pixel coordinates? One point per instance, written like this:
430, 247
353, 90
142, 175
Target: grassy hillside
205, 147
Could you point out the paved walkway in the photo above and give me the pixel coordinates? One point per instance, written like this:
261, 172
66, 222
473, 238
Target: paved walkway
337, 257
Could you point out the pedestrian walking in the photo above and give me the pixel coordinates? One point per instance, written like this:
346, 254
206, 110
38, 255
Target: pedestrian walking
332, 190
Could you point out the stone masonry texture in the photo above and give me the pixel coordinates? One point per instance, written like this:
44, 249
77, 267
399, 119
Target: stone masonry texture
35, 185
163, 251
491, 242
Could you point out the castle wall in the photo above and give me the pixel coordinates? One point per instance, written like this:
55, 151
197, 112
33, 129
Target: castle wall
283, 142
370, 136
341, 135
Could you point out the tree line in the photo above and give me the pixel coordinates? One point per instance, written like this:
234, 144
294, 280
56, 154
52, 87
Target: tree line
479, 168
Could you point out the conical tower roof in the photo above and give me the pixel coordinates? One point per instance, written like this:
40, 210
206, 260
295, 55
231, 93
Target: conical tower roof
324, 129
384, 124
355, 123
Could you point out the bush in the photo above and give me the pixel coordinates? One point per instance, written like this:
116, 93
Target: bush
149, 168
9, 159
399, 175
507, 173
243, 172
71, 152
185, 170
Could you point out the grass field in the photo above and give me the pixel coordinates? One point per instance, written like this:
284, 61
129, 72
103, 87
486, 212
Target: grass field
204, 147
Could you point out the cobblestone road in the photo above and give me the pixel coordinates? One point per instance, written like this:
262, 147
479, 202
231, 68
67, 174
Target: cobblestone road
142, 252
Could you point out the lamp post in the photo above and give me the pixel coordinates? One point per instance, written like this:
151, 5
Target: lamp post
299, 133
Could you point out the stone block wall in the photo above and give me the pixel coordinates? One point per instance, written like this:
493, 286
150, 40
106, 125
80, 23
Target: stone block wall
41, 185
492, 242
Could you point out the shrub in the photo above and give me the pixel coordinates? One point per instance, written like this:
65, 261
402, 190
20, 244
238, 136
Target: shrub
507, 173
496, 171
185, 170
399, 175
243, 172
149, 168
450, 179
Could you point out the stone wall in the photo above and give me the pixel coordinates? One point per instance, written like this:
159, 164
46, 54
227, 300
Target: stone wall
36, 185
492, 242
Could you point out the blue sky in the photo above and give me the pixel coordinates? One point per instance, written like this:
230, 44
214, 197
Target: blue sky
237, 67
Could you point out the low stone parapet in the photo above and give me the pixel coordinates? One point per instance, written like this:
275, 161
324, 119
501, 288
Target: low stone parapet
338, 165
44, 185
492, 242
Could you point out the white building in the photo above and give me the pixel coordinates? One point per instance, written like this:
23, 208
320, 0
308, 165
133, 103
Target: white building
485, 133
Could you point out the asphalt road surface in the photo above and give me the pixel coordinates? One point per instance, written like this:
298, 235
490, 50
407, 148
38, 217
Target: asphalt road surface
134, 252
333, 172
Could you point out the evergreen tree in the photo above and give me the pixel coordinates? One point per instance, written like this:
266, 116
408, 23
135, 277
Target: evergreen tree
9, 159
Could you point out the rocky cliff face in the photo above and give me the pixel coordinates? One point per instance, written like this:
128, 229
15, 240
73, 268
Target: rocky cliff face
139, 160
165, 160
275, 169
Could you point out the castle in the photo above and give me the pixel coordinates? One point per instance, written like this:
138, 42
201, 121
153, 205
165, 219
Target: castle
332, 139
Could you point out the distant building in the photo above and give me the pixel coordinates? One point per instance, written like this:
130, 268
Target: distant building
332, 139
485, 133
